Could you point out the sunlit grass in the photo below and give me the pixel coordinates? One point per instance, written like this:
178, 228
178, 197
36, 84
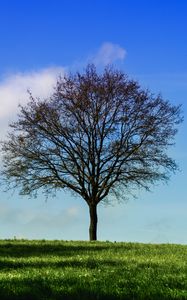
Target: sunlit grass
98, 270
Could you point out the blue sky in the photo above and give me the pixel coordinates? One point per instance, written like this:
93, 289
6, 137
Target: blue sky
145, 39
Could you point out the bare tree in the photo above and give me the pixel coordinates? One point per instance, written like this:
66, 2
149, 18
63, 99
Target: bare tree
97, 135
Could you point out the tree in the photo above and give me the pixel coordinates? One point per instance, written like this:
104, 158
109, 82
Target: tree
99, 134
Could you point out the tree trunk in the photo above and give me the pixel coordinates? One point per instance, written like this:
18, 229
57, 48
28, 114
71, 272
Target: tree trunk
93, 222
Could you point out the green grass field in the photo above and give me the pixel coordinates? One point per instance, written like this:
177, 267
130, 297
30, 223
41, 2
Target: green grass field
91, 270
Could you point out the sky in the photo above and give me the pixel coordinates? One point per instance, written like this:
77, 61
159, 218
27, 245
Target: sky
145, 39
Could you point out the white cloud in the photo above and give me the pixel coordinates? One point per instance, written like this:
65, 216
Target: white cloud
108, 53
31, 222
55, 220
13, 91
13, 87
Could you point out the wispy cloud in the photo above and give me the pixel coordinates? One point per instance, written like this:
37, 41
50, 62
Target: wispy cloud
13, 90
31, 222
109, 53
13, 87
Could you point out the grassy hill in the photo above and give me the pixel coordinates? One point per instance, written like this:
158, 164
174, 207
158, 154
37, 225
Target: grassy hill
96, 270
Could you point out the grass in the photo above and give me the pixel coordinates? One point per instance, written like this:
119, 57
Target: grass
92, 270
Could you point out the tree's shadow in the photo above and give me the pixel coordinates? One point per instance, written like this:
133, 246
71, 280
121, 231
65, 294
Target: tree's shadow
22, 249
17, 288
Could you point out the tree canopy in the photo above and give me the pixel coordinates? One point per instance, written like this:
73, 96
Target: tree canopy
98, 134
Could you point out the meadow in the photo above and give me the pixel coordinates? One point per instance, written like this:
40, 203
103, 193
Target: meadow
92, 270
